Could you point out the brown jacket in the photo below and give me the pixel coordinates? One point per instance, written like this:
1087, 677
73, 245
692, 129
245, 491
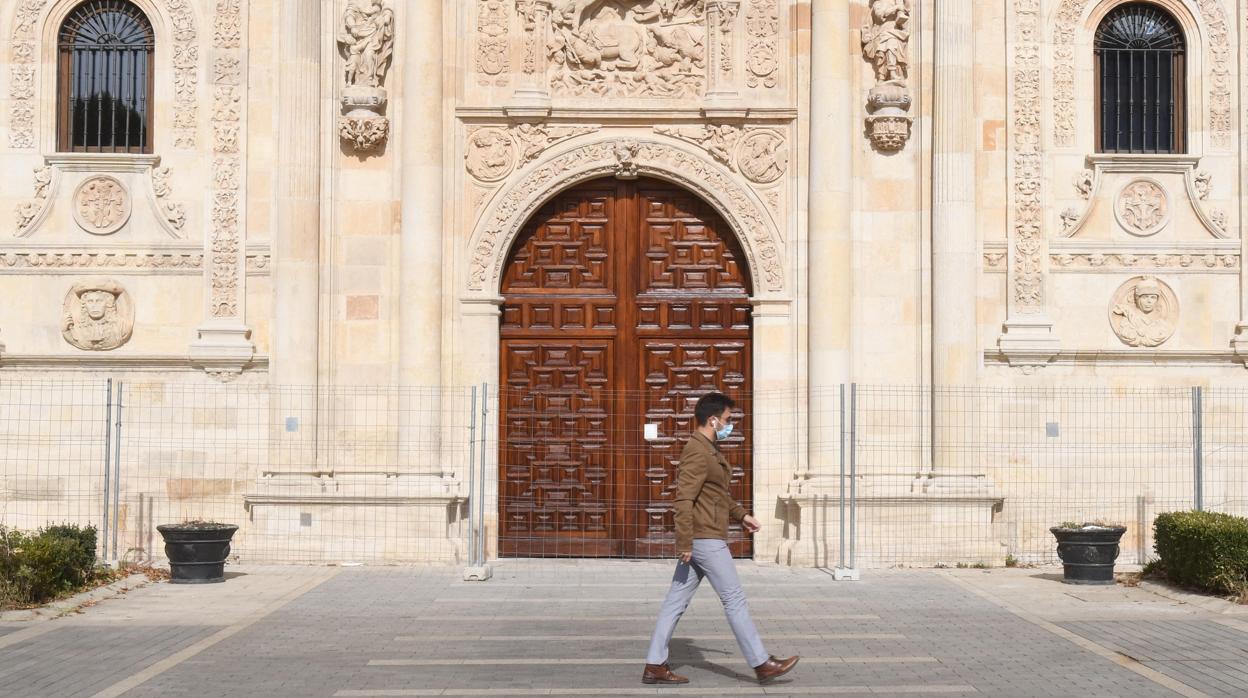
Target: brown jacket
703, 500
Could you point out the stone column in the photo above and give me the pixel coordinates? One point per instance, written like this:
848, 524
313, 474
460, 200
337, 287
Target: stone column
532, 96
421, 230
955, 272
297, 239
721, 19
833, 126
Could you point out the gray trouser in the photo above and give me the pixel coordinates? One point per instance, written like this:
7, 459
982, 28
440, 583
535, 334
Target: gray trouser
711, 558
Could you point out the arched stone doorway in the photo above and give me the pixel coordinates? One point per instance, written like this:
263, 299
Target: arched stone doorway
624, 301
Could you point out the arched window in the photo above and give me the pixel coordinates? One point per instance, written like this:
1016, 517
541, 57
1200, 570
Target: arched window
1140, 81
105, 91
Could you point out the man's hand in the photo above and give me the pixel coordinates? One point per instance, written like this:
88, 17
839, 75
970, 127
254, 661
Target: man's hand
685, 557
751, 524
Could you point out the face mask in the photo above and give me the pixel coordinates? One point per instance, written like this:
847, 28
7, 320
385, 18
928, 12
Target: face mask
723, 432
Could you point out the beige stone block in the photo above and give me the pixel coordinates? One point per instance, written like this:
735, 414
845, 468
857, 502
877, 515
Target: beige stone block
362, 307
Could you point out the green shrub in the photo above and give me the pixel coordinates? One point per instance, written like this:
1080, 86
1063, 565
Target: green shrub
35, 568
1202, 549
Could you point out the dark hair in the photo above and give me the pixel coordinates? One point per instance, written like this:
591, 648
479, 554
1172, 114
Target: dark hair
712, 405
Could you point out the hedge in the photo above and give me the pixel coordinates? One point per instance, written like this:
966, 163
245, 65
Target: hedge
1202, 549
36, 568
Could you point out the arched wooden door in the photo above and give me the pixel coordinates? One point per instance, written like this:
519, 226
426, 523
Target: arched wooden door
625, 301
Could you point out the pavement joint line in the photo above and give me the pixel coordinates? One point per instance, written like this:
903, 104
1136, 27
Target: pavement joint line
647, 617
657, 600
1116, 657
508, 661
173, 660
25, 634
777, 689
637, 638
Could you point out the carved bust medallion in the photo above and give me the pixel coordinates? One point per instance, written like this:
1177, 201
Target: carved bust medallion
98, 315
490, 155
101, 205
763, 156
1144, 312
1143, 207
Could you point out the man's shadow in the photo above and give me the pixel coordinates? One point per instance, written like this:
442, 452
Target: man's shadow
691, 654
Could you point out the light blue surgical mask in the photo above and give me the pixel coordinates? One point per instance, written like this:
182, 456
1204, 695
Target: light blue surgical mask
723, 432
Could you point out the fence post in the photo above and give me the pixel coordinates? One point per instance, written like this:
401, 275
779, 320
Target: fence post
485, 430
1198, 449
121, 388
841, 550
478, 570
851, 573
472, 477
108, 455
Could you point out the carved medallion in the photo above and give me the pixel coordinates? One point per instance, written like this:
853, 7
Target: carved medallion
101, 205
490, 155
1144, 312
763, 156
98, 315
1143, 207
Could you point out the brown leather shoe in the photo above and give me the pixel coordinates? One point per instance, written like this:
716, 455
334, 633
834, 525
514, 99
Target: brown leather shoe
661, 673
774, 668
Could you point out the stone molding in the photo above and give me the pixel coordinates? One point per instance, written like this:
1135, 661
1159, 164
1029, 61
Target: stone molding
181, 260
519, 199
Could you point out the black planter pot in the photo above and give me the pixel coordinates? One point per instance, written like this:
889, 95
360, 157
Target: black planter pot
1088, 553
197, 551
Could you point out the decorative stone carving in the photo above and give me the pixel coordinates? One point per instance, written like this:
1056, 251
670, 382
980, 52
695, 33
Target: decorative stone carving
29, 211
762, 25
1069, 23
493, 49
625, 152
490, 155
101, 205
1028, 168
1202, 183
1143, 207
1085, 181
1109, 262
763, 156
629, 157
1144, 312
886, 45
35, 260
719, 140
534, 139
173, 213
628, 48
98, 315
1069, 218
185, 74
367, 44
1218, 217
225, 230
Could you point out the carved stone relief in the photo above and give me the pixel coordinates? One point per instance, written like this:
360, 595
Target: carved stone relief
366, 39
1202, 183
627, 158
1143, 207
174, 214
1026, 178
762, 25
28, 212
718, 140
628, 48
98, 315
101, 205
886, 45
1144, 312
1068, 24
1085, 182
225, 231
1111, 262
492, 153
493, 48
763, 156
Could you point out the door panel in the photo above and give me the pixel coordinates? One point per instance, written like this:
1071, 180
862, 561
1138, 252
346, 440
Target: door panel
624, 303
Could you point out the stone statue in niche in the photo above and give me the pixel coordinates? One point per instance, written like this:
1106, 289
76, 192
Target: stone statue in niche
1144, 312
627, 48
98, 315
886, 44
367, 42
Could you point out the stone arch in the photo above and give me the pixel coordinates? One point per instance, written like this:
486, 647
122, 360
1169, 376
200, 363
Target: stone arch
514, 204
34, 45
1210, 59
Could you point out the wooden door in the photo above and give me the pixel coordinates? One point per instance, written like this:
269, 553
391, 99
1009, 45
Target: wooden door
624, 303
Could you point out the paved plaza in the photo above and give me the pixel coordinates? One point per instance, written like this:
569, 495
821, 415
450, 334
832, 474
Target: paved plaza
581, 628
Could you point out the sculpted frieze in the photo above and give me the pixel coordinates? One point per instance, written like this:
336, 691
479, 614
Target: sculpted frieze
493, 153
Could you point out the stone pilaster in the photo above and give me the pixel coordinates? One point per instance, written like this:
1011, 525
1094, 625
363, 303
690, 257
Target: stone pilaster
297, 238
721, 94
1240, 342
532, 95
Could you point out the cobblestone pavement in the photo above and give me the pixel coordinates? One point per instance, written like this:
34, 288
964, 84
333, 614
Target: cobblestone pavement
581, 628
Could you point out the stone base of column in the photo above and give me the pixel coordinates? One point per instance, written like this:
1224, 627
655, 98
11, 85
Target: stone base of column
1029, 343
223, 349
1239, 343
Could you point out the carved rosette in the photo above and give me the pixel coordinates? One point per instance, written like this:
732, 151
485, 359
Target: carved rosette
101, 205
1144, 312
886, 45
98, 315
367, 43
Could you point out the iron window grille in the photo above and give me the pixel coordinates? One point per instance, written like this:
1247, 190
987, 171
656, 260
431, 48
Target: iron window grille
105, 72
1140, 81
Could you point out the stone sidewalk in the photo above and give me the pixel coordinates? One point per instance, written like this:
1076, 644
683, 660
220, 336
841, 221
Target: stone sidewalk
580, 628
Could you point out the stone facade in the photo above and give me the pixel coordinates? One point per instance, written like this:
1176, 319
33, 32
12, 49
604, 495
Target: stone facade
334, 188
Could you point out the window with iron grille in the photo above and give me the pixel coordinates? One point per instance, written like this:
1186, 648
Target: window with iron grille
105, 79
1140, 81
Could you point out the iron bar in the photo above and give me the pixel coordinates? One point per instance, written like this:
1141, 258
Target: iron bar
1198, 449
472, 463
485, 411
108, 454
121, 387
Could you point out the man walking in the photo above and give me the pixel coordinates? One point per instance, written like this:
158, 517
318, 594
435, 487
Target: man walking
703, 507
